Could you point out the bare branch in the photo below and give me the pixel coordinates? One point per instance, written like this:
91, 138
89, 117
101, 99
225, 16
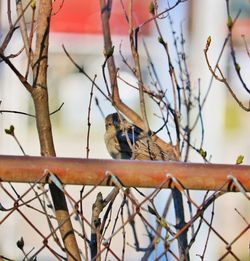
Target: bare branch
222, 79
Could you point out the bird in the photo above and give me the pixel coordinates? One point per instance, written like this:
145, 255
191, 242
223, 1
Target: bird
125, 140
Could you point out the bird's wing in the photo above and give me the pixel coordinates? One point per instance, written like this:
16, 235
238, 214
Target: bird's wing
124, 145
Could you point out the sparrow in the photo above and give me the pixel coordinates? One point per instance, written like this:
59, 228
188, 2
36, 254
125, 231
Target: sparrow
127, 141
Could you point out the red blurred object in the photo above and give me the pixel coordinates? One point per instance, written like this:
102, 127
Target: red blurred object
82, 16
241, 27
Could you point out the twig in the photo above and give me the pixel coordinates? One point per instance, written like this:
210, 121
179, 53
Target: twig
18, 112
22, 79
244, 219
245, 43
200, 113
9, 14
55, 12
230, 25
209, 232
22, 26
104, 76
60, 107
14, 55
123, 230
174, 84
194, 233
109, 212
89, 124
97, 208
222, 79
30, 53
212, 76
6, 258
81, 70
133, 37
145, 90
12, 29
161, 13
151, 64
28, 114
11, 132
86, 240
186, 90
99, 107
158, 229
124, 60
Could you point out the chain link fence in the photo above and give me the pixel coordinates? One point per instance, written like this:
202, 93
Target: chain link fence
121, 223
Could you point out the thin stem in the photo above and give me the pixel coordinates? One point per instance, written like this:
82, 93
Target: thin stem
89, 124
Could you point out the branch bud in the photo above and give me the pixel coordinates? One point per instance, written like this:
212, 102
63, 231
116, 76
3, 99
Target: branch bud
229, 23
152, 8
209, 39
109, 52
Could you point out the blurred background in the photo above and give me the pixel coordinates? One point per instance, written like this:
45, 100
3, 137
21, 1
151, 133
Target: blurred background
76, 25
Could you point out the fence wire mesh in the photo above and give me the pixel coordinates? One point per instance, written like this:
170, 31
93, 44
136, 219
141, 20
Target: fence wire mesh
118, 223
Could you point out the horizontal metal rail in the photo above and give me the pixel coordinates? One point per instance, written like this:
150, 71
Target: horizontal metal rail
149, 174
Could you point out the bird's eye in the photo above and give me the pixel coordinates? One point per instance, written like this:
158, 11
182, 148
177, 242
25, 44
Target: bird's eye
108, 125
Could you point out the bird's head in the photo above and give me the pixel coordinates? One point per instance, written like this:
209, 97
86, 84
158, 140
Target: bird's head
112, 121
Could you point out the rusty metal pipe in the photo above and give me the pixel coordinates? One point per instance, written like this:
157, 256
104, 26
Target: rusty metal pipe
147, 174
